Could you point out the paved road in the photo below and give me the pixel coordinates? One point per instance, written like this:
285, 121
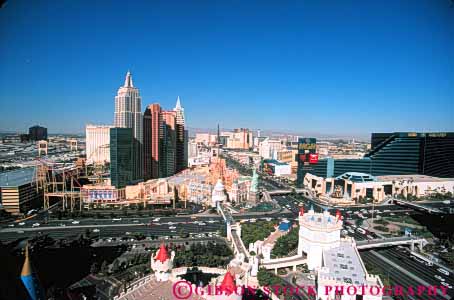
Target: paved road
402, 270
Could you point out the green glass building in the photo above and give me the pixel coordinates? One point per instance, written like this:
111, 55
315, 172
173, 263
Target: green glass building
121, 156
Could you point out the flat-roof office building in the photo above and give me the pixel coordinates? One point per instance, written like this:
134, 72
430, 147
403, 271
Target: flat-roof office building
18, 193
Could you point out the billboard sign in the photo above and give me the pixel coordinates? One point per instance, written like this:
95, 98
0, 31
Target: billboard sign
100, 195
307, 145
313, 158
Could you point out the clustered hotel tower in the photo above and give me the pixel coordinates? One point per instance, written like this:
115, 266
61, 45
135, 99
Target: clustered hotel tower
155, 141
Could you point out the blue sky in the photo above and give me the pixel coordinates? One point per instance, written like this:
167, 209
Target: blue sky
341, 67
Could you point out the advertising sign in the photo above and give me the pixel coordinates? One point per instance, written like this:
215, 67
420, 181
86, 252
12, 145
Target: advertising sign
313, 158
100, 195
307, 145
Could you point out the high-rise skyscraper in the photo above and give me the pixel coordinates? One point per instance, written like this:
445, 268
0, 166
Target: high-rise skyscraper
37, 133
181, 138
97, 141
165, 141
169, 144
128, 114
121, 156
152, 134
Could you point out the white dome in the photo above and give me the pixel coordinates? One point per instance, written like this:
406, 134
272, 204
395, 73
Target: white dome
219, 186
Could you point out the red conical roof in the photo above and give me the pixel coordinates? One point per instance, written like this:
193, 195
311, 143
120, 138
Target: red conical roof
301, 211
162, 255
228, 284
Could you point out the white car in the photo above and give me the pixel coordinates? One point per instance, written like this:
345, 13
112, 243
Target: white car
36, 225
441, 270
211, 221
20, 231
156, 219
446, 284
11, 225
202, 224
135, 221
75, 222
21, 223
116, 219
172, 227
96, 230
439, 278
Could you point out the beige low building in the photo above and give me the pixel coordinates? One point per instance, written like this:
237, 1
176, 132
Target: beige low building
353, 187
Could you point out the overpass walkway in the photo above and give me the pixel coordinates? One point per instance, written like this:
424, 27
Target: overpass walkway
395, 241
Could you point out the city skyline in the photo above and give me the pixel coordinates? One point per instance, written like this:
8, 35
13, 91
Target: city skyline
298, 72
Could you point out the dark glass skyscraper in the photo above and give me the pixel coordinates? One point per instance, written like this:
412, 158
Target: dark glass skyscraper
121, 156
37, 133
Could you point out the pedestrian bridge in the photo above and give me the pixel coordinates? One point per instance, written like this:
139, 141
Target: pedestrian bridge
418, 207
284, 262
286, 192
395, 241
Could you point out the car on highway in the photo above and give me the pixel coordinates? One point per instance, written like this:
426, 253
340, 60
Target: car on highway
21, 223
211, 221
96, 230
11, 225
446, 284
443, 271
135, 221
172, 227
202, 224
417, 259
360, 230
36, 225
62, 225
156, 219
170, 223
428, 263
116, 219
439, 278
75, 222
20, 231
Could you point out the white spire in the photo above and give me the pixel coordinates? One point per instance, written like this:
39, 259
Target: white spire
178, 105
128, 80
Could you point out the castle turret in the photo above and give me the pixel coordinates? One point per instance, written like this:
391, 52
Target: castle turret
162, 263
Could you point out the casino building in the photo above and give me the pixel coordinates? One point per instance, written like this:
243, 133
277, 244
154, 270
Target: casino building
398, 153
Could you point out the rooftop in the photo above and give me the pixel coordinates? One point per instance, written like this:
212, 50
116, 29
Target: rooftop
344, 264
415, 178
357, 177
274, 162
17, 177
